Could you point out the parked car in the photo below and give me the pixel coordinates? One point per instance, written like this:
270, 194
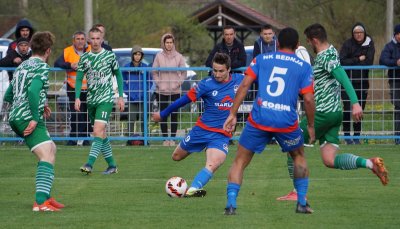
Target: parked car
5, 41
124, 57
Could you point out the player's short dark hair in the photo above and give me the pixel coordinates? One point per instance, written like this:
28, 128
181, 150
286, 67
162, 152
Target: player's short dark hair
288, 38
222, 59
228, 27
41, 41
316, 31
266, 27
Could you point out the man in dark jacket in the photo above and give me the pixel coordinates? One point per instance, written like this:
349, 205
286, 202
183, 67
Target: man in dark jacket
230, 46
357, 50
390, 56
266, 42
23, 29
16, 56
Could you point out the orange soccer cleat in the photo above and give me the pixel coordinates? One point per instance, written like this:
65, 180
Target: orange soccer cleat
380, 170
46, 206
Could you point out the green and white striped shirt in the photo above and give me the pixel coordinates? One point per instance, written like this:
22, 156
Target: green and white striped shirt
99, 69
326, 87
33, 68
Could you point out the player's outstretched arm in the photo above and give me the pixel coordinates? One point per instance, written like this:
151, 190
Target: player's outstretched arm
182, 101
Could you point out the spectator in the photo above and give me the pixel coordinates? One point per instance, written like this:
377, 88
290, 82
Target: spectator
133, 86
266, 42
390, 56
80, 126
16, 56
168, 83
230, 46
102, 28
23, 29
357, 50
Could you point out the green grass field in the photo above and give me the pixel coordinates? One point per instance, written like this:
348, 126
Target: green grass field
135, 197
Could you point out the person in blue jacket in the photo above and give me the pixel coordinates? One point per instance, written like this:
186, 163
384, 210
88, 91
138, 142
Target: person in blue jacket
133, 87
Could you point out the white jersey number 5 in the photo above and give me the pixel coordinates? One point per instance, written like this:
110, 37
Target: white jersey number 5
275, 78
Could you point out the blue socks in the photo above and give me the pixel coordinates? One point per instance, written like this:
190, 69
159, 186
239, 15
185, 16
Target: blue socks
232, 191
301, 186
202, 178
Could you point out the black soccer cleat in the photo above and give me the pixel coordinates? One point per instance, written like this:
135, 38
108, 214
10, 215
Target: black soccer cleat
304, 209
230, 211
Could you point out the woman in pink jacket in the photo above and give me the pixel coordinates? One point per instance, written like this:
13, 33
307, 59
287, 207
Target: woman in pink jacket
168, 83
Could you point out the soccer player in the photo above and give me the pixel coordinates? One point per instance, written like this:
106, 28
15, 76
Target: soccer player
281, 77
99, 65
328, 76
27, 94
217, 92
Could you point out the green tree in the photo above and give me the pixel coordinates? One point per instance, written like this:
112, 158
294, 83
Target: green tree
127, 23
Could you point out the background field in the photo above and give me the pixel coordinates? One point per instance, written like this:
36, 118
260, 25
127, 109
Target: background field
135, 197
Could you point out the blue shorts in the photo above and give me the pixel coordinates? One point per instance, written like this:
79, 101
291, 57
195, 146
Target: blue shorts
199, 139
255, 140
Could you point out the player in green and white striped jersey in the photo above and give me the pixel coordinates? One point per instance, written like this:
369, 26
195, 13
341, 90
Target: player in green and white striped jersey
99, 66
27, 94
329, 75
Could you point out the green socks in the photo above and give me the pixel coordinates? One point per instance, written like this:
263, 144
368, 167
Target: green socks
348, 161
107, 153
95, 150
44, 181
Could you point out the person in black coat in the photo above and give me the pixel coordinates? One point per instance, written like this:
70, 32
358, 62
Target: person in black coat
231, 46
357, 50
16, 56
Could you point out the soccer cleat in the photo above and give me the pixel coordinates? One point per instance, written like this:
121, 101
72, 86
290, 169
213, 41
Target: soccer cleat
86, 168
194, 192
304, 209
53, 202
110, 170
380, 170
45, 207
230, 211
292, 196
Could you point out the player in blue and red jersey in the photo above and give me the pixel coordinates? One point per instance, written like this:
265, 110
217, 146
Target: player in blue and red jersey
217, 92
281, 77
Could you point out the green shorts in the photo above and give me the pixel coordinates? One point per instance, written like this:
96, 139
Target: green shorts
100, 112
327, 127
39, 136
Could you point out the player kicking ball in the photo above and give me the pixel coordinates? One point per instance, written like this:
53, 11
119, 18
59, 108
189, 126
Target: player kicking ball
27, 94
328, 77
217, 93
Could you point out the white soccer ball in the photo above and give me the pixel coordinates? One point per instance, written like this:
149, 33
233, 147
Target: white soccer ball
176, 187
